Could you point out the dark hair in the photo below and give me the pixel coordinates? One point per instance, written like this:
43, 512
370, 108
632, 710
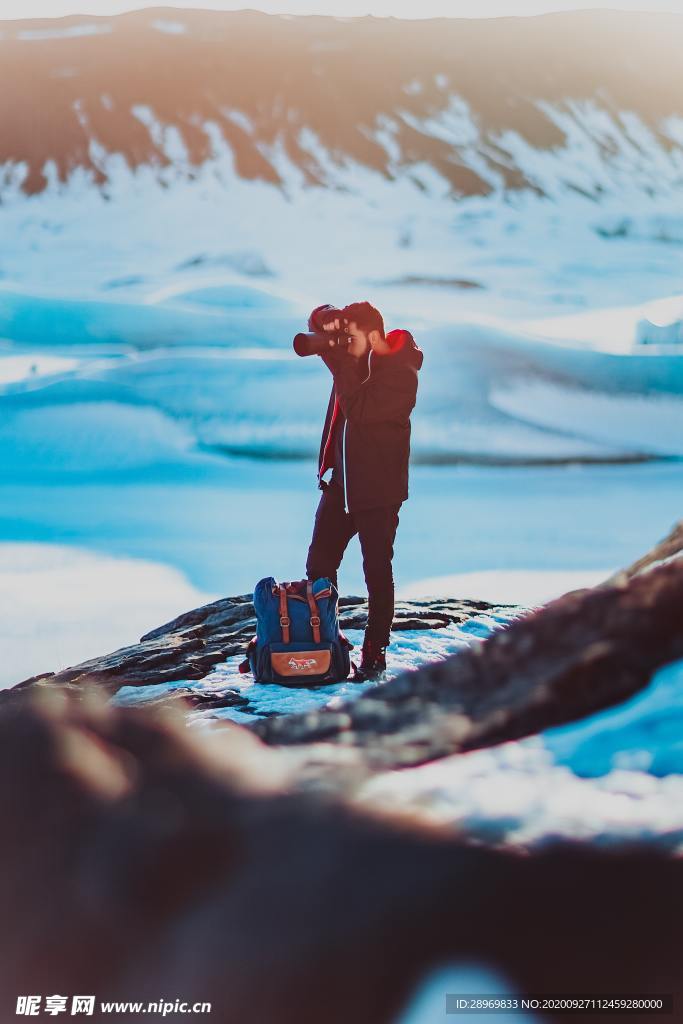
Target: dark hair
365, 316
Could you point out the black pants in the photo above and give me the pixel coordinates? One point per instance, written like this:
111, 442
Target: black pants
376, 529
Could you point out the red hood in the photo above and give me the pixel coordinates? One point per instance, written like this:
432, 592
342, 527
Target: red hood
402, 342
396, 340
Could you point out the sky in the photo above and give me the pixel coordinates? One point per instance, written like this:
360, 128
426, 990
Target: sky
343, 8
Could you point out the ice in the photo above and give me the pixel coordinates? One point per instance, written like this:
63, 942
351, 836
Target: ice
173, 28
517, 794
648, 333
214, 357
644, 732
87, 437
68, 32
614, 776
29, 367
648, 424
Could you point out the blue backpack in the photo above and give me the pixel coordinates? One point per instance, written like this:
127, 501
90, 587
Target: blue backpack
298, 641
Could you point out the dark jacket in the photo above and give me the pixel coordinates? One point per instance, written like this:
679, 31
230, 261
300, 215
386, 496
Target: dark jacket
368, 420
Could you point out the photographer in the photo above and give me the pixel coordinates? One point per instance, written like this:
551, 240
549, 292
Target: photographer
366, 444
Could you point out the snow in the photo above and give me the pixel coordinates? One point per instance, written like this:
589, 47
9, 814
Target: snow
614, 777
60, 605
457, 126
648, 333
406, 651
650, 424
82, 438
616, 329
602, 153
239, 118
515, 586
516, 795
69, 32
173, 28
166, 137
28, 367
488, 391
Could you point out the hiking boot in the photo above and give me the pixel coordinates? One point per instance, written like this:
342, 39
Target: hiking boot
373, 663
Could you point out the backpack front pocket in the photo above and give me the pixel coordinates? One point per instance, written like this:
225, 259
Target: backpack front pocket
301, 663
291, 663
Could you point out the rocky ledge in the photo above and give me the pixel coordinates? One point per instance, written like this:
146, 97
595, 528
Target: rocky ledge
578, 654
190, 646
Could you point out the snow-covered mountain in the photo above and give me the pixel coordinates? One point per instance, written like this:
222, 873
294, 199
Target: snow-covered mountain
586, 101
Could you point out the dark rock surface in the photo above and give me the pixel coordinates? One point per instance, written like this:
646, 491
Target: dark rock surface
189, 646
141, 861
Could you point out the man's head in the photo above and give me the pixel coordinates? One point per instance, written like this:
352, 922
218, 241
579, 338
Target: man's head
365, 328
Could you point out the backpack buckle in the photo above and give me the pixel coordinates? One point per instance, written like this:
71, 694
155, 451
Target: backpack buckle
315, 620
284, 620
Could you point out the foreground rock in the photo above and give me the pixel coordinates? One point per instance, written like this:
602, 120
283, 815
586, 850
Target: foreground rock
139, 861
671, 547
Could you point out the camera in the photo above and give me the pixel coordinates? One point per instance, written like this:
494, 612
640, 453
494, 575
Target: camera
314, 343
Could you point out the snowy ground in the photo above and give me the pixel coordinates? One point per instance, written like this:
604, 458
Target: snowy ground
408, 649
616, 776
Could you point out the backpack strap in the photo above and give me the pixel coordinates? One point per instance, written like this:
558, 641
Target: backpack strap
284, 617
315, 617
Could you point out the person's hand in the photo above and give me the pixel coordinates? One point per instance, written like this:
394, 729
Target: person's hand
336, 326
333, 325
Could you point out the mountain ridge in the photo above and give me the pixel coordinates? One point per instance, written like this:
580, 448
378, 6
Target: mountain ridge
310, 98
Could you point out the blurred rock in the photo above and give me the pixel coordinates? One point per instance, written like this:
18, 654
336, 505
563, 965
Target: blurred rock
140, 860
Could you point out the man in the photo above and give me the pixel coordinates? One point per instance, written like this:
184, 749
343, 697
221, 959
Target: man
366, 444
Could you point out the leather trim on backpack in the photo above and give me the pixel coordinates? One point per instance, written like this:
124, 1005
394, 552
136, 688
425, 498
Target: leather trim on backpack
301, 663
315, 613
284, 614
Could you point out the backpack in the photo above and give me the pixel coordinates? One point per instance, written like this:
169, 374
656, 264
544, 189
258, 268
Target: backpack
298, 641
